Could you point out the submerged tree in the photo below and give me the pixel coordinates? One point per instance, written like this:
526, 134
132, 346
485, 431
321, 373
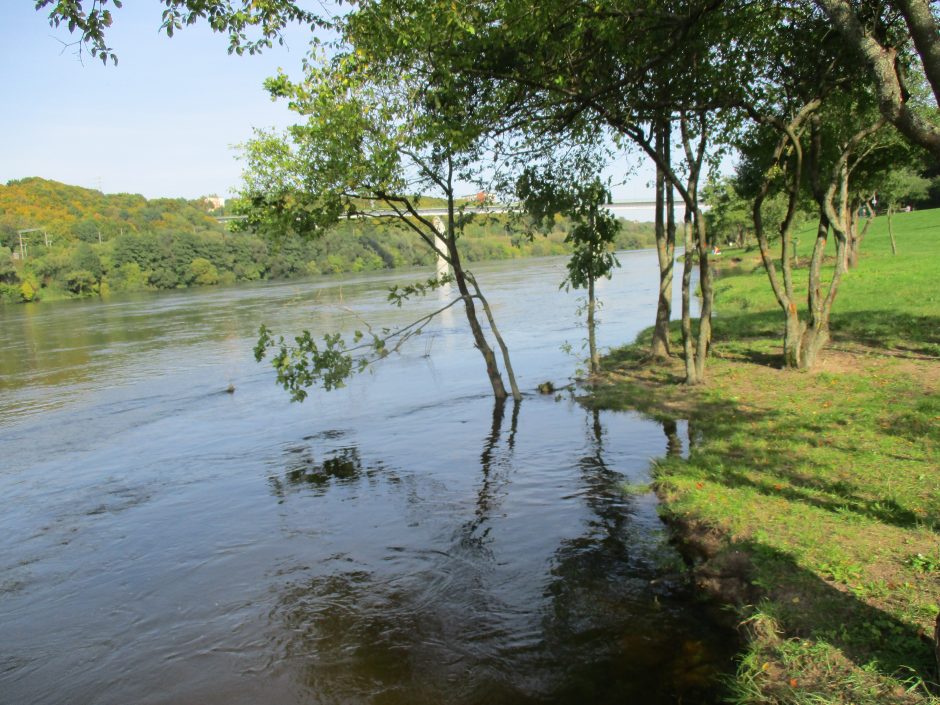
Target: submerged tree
592, 235
371, 145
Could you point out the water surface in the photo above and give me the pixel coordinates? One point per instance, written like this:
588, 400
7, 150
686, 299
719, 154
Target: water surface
403, 540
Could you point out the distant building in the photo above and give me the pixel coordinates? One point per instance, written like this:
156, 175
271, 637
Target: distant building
213, 203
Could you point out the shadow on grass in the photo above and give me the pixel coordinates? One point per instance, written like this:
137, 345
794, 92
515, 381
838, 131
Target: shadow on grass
816, 605
898, 333
808, 607
797, 461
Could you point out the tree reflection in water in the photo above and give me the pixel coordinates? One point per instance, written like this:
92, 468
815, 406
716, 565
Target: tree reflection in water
619, 623
445, 624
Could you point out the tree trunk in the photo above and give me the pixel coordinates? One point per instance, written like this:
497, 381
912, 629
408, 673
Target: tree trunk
460, 277
793, 338
708, 297
883, 62
851, 251
858, 236
816, 335
479, 339
691, 372
790, 166
665, 251
592, 340
925, 33
894, 244
504, 350
814, 340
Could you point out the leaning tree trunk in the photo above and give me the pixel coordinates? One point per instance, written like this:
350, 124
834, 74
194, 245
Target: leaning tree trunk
479, 339
887, 71
503, 348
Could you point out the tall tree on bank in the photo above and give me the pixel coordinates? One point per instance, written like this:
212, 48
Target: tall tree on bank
665, 229
372, 143
813, 120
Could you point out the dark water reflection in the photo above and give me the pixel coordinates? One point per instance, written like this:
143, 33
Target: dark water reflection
562, 605
398, 541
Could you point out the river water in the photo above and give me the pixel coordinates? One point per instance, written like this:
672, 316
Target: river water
401, 540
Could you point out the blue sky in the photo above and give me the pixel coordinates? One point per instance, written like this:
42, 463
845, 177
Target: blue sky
160, 123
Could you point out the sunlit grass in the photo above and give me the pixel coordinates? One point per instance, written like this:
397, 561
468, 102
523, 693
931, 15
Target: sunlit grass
828, 481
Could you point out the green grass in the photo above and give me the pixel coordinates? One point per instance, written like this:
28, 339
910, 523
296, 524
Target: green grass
827, 481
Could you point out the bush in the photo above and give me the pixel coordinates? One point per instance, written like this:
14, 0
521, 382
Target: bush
202, 273
80, 281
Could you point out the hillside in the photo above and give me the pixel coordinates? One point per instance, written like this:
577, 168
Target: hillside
85, 243
73, 213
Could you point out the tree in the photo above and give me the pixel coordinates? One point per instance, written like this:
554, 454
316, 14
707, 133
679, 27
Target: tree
566, 68
820, 136
7, 267
898, 186
873, 32
84, 258
729, 214
592, 236
370, 137
90, 20
202, 273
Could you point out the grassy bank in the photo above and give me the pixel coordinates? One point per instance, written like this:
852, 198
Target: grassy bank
812, 500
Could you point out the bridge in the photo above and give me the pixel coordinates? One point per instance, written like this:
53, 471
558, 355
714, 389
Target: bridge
617, 207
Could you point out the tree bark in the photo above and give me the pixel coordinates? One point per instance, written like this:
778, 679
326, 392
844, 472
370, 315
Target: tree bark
665, 251
894, 244
592, 340
691, 371
883, 62
503, 348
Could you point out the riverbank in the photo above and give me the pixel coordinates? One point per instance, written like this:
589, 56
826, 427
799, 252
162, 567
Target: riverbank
811, 501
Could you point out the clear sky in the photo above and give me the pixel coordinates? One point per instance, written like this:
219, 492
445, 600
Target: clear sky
160, 123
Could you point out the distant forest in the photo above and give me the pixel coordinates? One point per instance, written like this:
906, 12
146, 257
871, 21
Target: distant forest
83, 242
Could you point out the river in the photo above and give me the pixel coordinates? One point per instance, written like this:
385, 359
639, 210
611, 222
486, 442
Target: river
400, 540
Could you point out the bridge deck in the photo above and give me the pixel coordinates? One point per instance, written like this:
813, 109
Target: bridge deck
494, 209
